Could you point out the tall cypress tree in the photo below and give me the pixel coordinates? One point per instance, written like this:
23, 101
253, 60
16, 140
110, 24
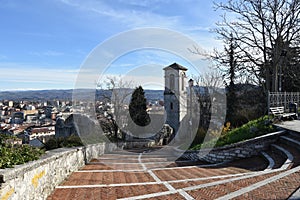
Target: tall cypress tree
231, 90
138, 107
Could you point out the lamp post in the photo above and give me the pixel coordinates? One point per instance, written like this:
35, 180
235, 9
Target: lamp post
191, 85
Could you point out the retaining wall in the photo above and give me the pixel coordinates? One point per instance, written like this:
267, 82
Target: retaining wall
37, 179
235, 151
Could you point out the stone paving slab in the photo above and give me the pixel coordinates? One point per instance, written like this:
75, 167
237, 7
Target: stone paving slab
293, 125
295, 195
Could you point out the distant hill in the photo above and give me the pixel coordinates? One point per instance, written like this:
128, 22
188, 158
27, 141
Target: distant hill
44, 95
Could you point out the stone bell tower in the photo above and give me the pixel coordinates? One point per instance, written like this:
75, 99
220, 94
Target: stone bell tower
175, 95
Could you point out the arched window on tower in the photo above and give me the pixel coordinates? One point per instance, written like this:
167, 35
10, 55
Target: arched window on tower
182, 81
171, 106
172, 82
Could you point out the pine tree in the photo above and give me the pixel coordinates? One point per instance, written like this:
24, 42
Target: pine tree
138, 107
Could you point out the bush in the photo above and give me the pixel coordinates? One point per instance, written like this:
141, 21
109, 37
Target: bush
71, 141
249, 130
11, 155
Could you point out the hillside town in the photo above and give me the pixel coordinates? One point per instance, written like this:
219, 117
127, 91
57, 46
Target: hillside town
35, 122
32, 122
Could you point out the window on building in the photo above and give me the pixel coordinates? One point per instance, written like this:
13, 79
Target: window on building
171, 106
172, 82
182, 82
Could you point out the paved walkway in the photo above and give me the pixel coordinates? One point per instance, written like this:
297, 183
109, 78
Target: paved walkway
293, 125
140, 176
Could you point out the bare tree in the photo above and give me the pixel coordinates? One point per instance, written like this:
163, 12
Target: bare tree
118, 97
212, 79
261, 29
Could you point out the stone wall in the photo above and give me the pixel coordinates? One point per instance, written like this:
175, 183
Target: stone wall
235, 151
139, 143
37, 179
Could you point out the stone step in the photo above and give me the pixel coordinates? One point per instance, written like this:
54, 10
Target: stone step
271, 162
278, 156
290, 140
289, 157
295, 152
294, 135
254, 163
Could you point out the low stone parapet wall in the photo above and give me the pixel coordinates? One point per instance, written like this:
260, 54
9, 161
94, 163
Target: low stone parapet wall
37, 179
235, 151
138, 144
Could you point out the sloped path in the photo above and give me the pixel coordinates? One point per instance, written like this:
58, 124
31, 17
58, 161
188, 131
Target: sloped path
293, 125
141, 176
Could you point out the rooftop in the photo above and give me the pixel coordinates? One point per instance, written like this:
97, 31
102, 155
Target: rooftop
176, 67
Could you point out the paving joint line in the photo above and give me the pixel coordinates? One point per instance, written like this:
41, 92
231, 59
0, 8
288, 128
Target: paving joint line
105, 185
259, 184
166, 184
232, 179
128, 163
154, 183
109, 170
180, 191
141, 163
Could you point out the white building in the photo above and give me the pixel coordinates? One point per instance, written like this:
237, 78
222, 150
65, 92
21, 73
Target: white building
175, 95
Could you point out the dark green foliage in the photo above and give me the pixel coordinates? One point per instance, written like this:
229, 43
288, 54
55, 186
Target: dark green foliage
249, 104
200, 135
231, 75
11, 155
52, 144
71, 141
138, 107
290, 68
249, 130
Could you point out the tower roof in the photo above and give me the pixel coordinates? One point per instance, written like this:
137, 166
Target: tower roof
176, 67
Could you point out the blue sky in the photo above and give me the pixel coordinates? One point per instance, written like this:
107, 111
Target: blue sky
44, 43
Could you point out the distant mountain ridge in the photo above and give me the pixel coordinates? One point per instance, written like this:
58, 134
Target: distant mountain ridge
66, 95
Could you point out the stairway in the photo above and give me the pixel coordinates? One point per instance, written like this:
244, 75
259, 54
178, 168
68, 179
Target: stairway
149, 174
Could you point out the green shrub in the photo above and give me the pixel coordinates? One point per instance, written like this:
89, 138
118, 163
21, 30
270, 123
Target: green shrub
249, 130
11, 155
71, 141
52, 143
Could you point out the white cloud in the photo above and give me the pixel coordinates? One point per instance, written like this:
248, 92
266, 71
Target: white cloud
21, 74
122, 13
130, 17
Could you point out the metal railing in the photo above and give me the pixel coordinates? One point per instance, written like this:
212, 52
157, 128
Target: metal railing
276, 99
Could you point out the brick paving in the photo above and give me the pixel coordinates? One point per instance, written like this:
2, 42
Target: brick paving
115, 176
105, 192
219, 190
92, 178
168, 197
280, 189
